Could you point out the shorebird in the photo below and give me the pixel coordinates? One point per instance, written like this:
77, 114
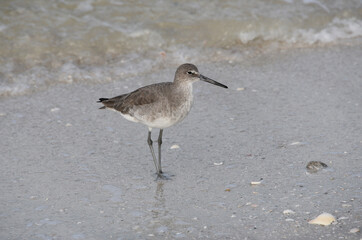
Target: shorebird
159, 105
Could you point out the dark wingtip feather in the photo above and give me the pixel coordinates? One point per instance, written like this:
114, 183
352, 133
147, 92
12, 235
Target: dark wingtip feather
103, 99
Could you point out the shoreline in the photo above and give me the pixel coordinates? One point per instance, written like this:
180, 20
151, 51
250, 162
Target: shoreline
35, 80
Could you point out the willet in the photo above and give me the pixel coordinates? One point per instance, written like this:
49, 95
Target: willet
159, 105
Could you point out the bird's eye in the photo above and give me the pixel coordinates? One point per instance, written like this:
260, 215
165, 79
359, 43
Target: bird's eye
189, 72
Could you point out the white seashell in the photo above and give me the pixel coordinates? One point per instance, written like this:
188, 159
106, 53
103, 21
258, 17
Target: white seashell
324, 219
240, 89
175, 146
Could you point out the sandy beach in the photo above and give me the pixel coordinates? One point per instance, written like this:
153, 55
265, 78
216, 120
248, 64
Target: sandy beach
72, 171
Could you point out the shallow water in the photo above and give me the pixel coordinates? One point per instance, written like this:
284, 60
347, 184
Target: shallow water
96, 41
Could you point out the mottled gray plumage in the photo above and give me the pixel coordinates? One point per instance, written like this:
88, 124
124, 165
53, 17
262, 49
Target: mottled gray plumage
159, 105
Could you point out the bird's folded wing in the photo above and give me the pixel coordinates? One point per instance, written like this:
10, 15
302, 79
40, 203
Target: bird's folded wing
139, 97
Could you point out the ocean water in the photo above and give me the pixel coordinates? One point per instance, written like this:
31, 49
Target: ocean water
43, 43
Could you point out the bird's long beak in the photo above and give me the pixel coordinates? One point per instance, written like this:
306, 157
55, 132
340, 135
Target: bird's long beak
206, 79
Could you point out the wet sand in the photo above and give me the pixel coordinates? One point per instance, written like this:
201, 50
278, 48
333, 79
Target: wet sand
71, 171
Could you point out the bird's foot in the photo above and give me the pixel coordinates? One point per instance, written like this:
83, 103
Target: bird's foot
163, 176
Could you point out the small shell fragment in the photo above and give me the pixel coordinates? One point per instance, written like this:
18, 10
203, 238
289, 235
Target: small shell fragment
227, 190
175, 146
240, 89
324, 219
218, 164
354, 230
255, 183
54, 109
288, 212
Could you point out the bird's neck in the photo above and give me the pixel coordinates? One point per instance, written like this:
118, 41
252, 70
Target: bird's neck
184, 87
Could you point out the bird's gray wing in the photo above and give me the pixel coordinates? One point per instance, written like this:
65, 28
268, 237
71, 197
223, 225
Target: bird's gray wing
141, 96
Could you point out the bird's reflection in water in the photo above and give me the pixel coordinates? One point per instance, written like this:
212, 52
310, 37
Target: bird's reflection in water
159, 209
162, 220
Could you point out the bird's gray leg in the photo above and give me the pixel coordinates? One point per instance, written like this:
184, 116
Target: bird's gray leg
159, 151
149, 141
